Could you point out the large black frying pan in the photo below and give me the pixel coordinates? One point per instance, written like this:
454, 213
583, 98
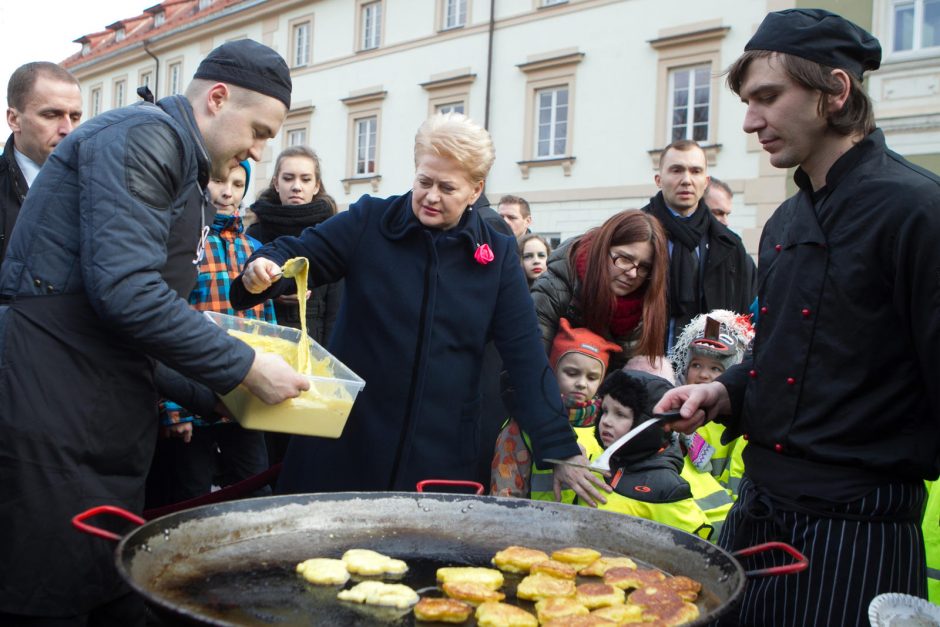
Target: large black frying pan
233, 563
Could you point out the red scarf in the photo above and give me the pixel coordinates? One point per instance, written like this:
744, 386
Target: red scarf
628, 310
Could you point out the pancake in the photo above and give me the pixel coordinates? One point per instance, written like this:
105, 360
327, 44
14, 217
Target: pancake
580, 621
371, 563
601, 565
579, 557
489, 577
472, 592
442, 610
687, 588
540, 586
624, 578
595, 595
323, 571
558, 608
518, 559
621, 614
664, 604
495, 614
554, 568
380, 593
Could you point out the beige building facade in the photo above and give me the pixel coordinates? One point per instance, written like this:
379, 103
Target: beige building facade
579, 95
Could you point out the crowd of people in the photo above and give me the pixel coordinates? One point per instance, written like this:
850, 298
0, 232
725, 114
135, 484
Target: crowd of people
803, 381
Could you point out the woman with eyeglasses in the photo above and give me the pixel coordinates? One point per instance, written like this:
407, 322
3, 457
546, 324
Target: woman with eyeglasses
611, 280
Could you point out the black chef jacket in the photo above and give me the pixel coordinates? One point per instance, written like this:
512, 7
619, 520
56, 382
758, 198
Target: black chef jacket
846, 363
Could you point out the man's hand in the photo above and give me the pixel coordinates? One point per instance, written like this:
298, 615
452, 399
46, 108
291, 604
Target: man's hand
698, 404
260, 274
585, 483
273, 380
182, 430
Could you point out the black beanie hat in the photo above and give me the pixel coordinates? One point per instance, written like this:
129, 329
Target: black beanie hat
821, 36
251, 65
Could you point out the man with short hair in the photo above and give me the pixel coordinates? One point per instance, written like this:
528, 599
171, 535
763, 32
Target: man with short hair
44, 104
708, 266
515, 211
718, 197
839, 400
91, 297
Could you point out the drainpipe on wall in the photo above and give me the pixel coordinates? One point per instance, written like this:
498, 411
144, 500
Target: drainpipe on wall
489, 64
156, 72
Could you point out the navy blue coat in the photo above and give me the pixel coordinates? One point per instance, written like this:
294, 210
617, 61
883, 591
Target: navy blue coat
415, 317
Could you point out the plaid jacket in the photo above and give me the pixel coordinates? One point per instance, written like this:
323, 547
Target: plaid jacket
227, 250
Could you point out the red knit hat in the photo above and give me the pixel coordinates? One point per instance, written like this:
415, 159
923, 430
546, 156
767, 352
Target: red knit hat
580, 340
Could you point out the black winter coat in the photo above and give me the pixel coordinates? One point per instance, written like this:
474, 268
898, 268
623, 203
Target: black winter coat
417, 312
13, 190
730, 276
275, 220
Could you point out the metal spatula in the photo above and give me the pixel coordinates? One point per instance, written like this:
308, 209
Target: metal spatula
602, 463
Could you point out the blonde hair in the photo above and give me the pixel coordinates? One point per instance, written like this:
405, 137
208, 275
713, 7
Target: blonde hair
455, 136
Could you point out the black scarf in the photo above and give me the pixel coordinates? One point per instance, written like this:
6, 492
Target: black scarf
686, 235
275, 220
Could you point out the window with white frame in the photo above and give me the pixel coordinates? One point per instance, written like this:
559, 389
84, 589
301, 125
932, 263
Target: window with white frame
297, 137
365, 146
205, 4
120, 34
120, 93
689, 102
455, 13
301, 48
548, 3
176, 74
95, 101
450, 107
159, 19
145, 79
915, 25
371, 19
552, 122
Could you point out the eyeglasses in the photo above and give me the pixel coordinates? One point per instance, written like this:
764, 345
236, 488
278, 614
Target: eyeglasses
626, 264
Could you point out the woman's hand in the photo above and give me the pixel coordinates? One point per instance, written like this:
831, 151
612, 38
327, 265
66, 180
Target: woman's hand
260, 274
698, 404
585, 483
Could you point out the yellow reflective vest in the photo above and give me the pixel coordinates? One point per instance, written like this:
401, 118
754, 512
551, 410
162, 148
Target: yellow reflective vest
931, 528
641, 492
727, 465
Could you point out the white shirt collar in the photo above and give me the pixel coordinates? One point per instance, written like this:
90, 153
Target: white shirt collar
28, 167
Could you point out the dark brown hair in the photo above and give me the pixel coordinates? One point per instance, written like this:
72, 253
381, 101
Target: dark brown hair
599, 302
24, 79
856, 115
270, 194
509, 199
680, 144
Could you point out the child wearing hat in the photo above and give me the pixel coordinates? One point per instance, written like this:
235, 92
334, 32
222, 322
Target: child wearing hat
645, 472
193, 446
579, 358
710, 344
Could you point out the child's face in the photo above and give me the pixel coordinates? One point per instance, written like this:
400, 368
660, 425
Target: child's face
578, 376
534, 258
703, 370
616, 419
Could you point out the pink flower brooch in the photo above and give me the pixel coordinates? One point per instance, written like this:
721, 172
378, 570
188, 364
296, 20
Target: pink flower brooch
483, 254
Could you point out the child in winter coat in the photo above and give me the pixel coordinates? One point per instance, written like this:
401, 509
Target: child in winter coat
194, 446
707, 346
645, 472
579, 358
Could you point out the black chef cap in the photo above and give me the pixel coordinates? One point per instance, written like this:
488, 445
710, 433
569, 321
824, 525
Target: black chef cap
251, 65
820, 36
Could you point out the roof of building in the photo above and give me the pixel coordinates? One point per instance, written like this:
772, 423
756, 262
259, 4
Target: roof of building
176, 14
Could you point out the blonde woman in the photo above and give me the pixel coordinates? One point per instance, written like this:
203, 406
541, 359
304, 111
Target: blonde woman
428, 283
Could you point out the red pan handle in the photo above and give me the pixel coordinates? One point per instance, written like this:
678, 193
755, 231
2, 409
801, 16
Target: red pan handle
78, 521
476, 485
800, 564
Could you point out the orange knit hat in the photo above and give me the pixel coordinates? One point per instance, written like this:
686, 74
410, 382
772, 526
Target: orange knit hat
580, 340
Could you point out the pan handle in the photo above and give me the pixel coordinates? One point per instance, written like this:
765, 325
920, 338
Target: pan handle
78, 521
476, 485
800, 564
